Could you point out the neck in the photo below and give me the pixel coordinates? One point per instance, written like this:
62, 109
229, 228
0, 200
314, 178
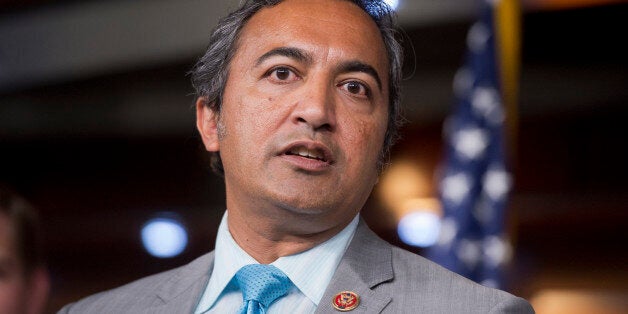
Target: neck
266, 238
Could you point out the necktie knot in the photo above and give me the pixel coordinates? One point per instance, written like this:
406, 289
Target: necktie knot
262, 284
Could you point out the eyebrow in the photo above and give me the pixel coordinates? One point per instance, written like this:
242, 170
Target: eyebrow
358, 66
289, 52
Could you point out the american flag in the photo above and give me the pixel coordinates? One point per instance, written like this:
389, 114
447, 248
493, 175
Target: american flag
475, 182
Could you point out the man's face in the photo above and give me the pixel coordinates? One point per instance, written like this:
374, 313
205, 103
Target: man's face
305, 109
12, 282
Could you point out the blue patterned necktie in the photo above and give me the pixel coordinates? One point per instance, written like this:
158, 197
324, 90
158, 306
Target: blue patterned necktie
261, 285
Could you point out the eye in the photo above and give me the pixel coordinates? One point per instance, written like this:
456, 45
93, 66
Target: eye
282, 74
356, 88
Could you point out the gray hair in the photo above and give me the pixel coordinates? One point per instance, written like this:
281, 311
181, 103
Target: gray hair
209, 75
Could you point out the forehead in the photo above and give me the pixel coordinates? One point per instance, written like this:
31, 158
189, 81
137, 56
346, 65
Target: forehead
335, 28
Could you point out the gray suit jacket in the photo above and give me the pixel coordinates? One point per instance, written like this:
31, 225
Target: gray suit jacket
386, 278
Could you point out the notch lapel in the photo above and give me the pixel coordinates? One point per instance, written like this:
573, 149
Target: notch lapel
366, 264
181, 293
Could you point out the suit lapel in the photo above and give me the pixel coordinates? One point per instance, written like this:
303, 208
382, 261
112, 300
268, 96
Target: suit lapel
366, 264
181, 293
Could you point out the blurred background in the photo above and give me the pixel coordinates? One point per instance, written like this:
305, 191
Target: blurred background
97, 131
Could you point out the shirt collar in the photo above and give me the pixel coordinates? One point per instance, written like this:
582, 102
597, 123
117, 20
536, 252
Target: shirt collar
310, 271
228, 259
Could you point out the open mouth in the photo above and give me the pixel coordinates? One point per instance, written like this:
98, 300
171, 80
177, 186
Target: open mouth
307, 153
309, 150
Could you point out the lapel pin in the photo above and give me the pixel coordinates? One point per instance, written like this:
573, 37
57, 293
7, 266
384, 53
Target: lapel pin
345, 301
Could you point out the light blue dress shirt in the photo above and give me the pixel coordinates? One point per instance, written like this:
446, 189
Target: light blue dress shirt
310, 271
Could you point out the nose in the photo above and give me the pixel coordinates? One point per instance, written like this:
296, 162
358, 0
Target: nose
316, 107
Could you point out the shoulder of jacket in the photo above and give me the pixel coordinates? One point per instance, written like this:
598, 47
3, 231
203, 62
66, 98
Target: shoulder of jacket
145, 289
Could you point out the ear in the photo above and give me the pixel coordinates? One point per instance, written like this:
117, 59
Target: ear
39, 288
207, 125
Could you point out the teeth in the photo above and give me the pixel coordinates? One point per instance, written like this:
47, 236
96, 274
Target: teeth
304, 152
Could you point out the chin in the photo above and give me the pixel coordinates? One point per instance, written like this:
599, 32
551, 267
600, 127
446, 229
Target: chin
301, 207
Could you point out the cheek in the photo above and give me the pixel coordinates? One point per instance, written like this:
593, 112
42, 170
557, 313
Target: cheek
364, 139
251, 118
255, 115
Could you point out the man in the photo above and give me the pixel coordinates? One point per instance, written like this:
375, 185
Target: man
299, 103
24, 282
